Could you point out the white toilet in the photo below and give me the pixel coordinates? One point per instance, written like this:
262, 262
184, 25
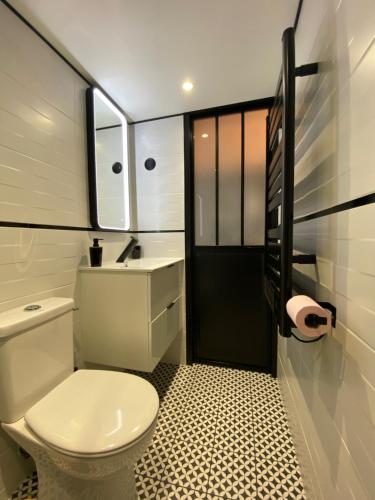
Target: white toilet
85, 430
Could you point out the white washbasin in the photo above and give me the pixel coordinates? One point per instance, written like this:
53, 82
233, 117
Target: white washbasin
146, 264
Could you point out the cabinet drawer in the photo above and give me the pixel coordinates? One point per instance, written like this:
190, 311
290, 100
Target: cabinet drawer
163, 331
165, 288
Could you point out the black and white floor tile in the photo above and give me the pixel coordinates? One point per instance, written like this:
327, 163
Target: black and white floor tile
222, 434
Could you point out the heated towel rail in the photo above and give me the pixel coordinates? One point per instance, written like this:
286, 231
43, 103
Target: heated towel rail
279, 256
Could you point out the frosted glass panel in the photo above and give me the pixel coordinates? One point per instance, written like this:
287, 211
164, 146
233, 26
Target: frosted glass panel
254, 164
204, 181
230, 179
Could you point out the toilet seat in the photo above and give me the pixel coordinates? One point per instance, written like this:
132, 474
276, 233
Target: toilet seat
94, 413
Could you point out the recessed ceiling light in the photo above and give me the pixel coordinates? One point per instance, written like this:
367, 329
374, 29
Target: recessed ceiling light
204, 136
187, 86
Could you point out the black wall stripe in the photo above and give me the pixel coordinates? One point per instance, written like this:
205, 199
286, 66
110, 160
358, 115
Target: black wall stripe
30, 225
341, 207
90, 83
357, 202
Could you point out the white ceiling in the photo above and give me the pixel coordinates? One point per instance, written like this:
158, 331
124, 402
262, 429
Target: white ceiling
140, 51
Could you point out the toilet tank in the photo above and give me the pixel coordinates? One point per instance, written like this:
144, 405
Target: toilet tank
36, 353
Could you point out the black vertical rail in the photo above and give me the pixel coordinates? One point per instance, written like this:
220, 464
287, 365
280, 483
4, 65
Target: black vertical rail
242, 179
287, 181
189, 233
91, 159
217, 179
298, 14
266, 217
271, 322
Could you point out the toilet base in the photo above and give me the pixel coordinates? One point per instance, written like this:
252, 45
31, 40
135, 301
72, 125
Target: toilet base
64, 477
54, 484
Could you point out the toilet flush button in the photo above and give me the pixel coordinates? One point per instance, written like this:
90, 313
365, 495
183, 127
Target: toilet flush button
33, 307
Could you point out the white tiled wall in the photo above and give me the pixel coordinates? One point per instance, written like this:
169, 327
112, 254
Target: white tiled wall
160, 192
43, 166
329, 385
43, 179
160, 197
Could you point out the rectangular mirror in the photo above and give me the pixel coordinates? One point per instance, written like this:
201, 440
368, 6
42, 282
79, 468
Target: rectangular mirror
107, 143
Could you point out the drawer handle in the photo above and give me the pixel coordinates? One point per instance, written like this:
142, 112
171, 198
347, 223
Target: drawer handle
171, 304
170, 265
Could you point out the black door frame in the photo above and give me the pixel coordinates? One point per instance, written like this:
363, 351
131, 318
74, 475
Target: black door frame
267, 102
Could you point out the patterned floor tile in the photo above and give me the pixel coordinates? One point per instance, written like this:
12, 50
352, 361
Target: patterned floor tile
269, 414
199, 406
27, 489
188, 466
168, 426
284, 453
148, 488
232, 476
235, 435
177, 492
154, 461
265, 387
239, 377
222, 434
230, 411
279, 481
199, 428
207, 374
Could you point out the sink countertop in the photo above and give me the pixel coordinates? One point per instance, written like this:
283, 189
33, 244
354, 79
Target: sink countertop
134, 265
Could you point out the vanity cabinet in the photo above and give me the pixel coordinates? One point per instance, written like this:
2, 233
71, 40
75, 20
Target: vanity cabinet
130, 316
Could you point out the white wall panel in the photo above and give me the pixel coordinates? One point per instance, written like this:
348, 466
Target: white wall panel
43, 179
160, 192
330, 385
42, 131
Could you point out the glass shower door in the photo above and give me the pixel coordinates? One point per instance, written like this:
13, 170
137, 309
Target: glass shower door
229, 199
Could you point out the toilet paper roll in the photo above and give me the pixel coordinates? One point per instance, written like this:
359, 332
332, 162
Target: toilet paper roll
299, 307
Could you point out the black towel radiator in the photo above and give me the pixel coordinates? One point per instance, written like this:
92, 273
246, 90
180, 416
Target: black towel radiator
279, 256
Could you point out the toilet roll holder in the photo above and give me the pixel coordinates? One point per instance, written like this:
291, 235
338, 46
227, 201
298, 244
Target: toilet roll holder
314, 320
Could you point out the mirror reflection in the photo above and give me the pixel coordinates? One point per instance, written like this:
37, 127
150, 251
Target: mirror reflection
109, 169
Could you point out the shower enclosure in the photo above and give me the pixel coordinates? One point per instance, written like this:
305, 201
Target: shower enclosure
225, 153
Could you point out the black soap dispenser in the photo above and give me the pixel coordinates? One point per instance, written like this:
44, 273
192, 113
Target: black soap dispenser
96, 253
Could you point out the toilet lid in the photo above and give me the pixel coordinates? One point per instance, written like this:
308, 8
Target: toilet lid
94, 412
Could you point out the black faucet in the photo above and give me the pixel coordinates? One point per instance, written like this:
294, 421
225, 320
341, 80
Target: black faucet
129, 247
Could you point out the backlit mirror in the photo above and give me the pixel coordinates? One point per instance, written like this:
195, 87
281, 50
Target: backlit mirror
107, 141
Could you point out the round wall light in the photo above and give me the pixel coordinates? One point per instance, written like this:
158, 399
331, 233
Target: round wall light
187, 86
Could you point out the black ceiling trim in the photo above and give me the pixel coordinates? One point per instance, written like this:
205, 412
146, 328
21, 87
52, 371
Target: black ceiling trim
237, 107
347, 205
156, 118
108, 126
298, 14
226, 108
91, 82
25, 21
